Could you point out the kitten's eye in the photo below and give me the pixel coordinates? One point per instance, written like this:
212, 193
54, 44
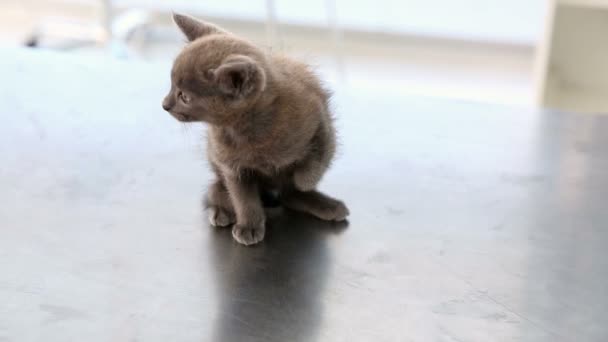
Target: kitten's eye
185, 98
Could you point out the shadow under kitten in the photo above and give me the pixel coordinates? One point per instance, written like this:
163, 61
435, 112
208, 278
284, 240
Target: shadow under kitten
273, 291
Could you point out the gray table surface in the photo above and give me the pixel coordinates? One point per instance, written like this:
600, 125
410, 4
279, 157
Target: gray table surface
470, 222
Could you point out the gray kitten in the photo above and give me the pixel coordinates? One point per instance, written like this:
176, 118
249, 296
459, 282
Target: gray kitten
270, 129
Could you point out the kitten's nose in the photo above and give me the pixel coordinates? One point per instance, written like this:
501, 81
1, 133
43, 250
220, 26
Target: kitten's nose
166, 104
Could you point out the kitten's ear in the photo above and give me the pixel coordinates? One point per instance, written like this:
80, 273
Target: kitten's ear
194, 28
239, 76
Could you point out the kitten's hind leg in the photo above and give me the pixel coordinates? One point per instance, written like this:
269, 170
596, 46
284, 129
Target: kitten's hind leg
309, 171
315, 203
219, 206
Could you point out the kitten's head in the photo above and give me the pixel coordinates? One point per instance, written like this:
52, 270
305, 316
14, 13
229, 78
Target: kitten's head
216, 77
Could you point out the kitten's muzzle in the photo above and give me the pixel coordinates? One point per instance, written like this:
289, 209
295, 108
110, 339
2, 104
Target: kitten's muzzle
167, 105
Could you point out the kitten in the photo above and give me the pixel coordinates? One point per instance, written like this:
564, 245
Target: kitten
270, 129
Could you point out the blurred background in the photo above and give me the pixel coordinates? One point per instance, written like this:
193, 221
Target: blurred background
467, 49
480, 50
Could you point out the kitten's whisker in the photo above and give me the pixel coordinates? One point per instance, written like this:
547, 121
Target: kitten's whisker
188, 132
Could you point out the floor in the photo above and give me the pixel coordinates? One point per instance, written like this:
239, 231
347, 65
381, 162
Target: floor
470, 222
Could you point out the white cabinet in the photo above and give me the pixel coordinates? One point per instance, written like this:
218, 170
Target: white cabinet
572, 65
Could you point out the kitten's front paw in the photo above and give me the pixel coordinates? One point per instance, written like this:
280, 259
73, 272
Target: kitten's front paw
248, 235
219, 217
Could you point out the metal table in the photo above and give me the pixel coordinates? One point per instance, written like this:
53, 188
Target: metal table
470, 222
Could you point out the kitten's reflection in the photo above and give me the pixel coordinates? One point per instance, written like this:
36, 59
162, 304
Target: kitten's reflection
272, 291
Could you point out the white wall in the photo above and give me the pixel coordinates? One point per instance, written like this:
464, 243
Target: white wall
506, 21
510, 21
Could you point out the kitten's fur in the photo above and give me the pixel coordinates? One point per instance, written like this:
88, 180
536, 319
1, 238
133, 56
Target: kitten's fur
270, 127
